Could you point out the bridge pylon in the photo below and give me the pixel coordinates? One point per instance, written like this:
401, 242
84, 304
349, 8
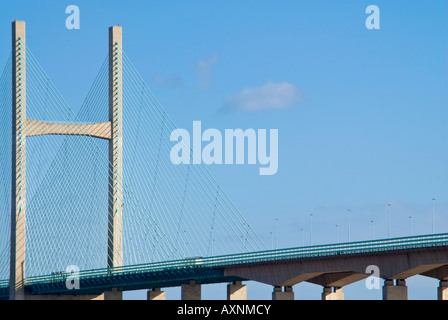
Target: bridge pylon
23, 127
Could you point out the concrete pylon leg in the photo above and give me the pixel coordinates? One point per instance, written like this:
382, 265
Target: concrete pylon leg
286, 294
332, 293
191, 291
442, 292
156, 294
115, 208
114, 294
399, 291
237, 291
18, 162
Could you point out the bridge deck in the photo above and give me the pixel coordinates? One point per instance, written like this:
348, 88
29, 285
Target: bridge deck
211, 269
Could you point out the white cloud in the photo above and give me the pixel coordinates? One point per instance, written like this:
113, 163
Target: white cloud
268, 96
204, 71
172, 82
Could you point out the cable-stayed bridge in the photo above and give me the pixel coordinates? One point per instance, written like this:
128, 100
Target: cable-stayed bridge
96, 190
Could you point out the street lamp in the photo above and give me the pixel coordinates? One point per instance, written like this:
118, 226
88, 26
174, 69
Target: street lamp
337, 230
348, 211
311, 229
412, 228
433, 218
185, 243
303, 237
276, 221
373, 229
388, 231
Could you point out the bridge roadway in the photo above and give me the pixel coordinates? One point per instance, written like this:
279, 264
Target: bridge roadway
332, 266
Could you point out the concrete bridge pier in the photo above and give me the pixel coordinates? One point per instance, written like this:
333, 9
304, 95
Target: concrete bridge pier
237, 291
332, 293
191, 291
442, 291
397, 291
113, 294
156, 294
286, 294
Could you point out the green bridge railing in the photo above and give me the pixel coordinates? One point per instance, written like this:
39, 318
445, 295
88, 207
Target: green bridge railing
361, 247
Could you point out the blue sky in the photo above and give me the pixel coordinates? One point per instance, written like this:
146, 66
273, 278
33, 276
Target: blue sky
363, 121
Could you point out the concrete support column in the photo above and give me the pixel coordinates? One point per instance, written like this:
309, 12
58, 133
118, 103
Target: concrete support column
442, 291
156, 294
332, 293
237, 291
399, 291
18, 163
191, 291
113, 294
286, 294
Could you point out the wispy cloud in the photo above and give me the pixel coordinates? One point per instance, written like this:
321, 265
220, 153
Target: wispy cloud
204, 71
172, 82
269, 96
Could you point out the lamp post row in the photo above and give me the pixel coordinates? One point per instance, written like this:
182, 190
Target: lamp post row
302, 238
